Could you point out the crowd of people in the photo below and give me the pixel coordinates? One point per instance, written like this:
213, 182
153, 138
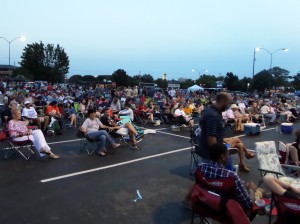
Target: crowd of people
100, 110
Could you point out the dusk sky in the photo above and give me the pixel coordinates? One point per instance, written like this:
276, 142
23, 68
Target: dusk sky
157, 36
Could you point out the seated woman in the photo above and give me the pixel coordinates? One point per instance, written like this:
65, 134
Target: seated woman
294, 149
182, 117
90, 128
19, 132
155, 110
71, 114
243, 152
128, 127
279, 187
127, 111
241, 118
254, 113
82, 107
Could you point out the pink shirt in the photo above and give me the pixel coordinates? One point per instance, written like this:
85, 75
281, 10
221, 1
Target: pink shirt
15, 127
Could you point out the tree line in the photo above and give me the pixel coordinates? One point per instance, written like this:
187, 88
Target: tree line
50, 62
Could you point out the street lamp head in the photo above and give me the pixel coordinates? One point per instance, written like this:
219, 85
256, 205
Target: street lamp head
193, 70
23, 38
257, 49
285, 49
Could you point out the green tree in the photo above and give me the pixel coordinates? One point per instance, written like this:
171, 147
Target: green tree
45, 62
262, 80
121, 78
246, 84
147, 78
280, 76
89, 78
232, 82
209, 81
296, 81
187, 83
161, 83
77, 79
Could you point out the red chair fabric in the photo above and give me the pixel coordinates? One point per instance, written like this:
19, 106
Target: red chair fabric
221, 208
288, 209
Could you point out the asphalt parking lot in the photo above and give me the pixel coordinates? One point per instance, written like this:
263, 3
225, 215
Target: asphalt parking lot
90, 189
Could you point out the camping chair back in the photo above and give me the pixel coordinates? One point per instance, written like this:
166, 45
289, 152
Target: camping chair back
288, 209
268, 158
76, 107
222, 208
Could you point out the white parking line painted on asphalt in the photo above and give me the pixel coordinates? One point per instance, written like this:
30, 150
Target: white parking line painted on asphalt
181, 136
113, 165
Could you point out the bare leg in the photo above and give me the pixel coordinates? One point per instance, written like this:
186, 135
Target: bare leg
275, 185
46, 119
131, 128
294, 154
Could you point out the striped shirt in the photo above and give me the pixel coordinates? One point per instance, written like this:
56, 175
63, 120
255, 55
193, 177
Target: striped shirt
216, 170
212, 125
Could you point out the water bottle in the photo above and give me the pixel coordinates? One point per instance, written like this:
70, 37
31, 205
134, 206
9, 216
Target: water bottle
277, 128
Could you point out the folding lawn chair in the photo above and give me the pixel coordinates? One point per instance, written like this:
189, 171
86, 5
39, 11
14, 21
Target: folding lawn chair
24, 148
288, 209
269, 164
88, 144
222, 206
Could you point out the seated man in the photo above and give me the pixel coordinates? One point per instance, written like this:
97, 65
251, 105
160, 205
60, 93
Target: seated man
182, 117
53, 111
229, 117
30, 114
268, 112
115, 105
109, 122
216, 169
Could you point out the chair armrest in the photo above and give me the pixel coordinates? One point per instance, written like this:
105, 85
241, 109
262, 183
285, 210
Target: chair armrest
270, 171
291, 166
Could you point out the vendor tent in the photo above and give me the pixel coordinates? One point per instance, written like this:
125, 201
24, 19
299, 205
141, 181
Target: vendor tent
195, 88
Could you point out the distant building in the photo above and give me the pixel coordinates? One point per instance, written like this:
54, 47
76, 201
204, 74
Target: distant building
6, 72
174, 84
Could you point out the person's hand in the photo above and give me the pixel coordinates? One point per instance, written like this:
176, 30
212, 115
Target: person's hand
29, 132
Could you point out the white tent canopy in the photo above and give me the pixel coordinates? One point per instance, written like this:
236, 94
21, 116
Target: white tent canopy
195, 88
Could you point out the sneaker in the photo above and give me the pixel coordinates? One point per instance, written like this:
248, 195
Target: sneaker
139, 136
135, 146
138, 140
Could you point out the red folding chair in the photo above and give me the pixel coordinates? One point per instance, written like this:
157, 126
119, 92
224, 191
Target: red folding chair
288, 209
221, 207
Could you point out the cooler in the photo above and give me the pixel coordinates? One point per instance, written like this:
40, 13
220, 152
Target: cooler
252, 129
287, 128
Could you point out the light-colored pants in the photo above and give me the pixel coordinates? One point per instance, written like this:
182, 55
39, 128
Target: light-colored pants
37, 139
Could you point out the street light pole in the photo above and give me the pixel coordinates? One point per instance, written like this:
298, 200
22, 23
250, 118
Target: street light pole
199, 72
9, 42
271, 54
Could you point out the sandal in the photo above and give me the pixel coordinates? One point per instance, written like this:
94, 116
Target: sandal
44, 151
53, 156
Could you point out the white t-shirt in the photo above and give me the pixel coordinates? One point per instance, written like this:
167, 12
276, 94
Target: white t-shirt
91, 125
178, 113
265, 110
31, 112
128, 112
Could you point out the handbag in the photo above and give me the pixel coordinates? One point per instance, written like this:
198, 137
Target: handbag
3, 134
